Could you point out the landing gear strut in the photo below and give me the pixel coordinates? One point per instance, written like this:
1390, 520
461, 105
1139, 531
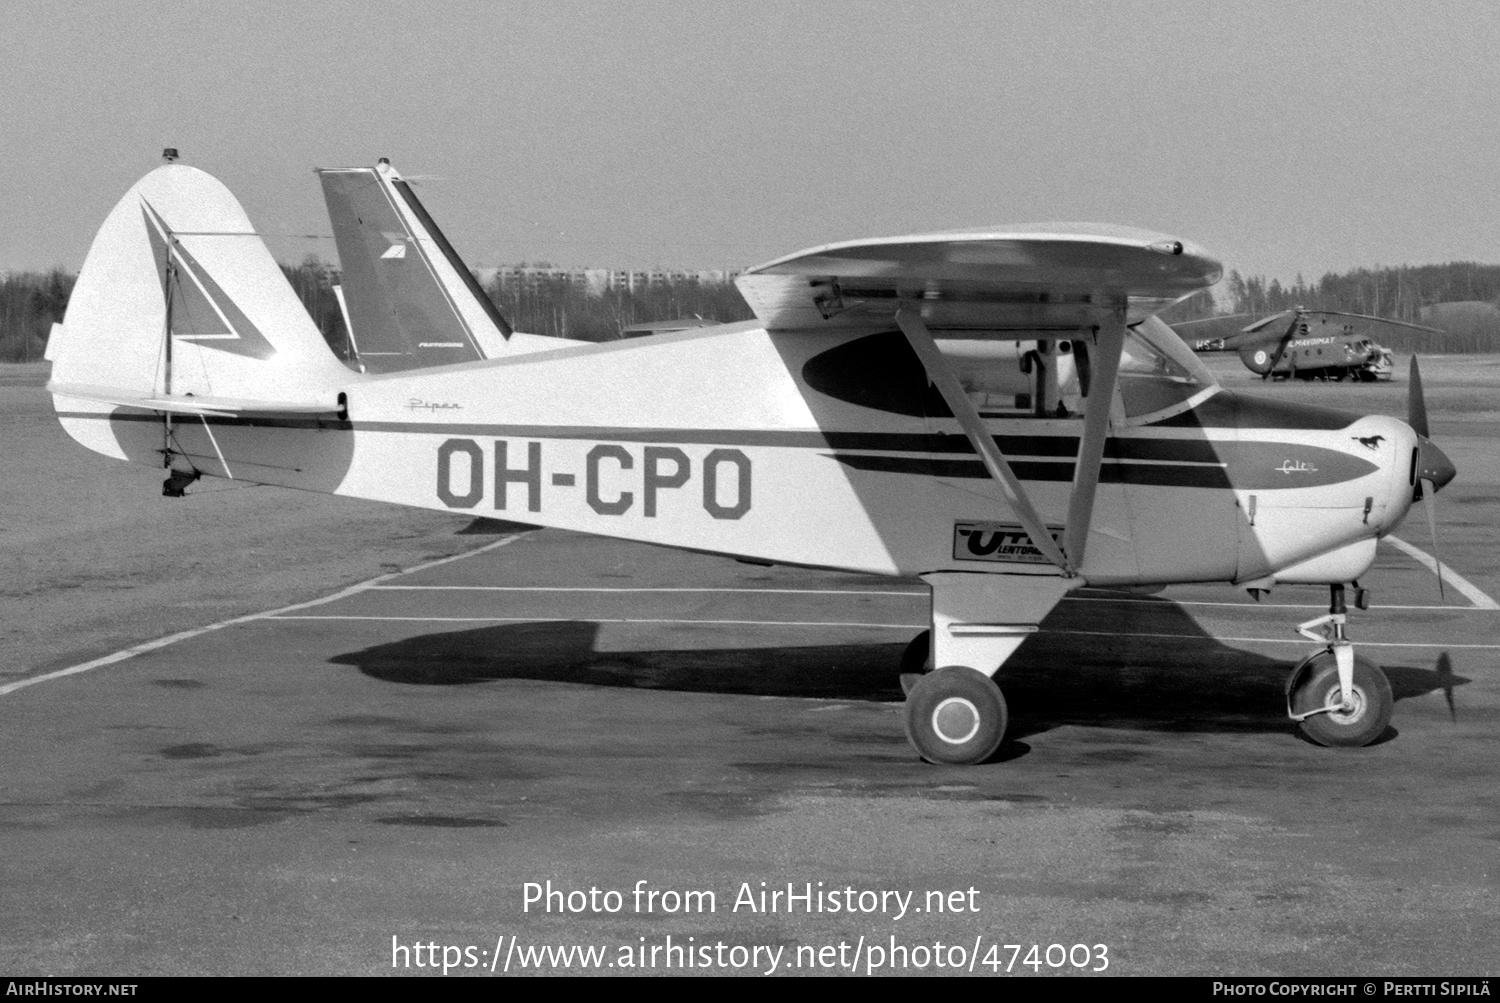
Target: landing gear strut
1336, 697
955, 714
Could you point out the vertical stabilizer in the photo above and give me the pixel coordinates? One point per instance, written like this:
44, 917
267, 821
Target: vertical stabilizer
180, 296
180, 309
411, 301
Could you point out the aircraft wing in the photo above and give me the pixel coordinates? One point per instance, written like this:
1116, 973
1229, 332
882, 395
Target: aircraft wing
1032, 278
190, 404
1081, 282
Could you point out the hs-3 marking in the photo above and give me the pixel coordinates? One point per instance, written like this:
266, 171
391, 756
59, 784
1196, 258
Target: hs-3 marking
614, 476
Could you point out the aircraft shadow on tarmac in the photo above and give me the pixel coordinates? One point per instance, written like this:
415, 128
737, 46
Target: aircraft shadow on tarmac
1115, 677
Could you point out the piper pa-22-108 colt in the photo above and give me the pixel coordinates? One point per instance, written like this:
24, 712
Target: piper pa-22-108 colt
998, 412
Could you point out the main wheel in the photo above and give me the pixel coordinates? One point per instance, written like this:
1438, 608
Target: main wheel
1319, 687
955, 716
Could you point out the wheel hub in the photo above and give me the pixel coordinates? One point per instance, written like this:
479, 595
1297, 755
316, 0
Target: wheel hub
955, 720
1342, 714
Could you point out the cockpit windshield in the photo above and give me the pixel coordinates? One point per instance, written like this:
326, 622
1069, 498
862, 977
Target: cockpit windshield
1158, 372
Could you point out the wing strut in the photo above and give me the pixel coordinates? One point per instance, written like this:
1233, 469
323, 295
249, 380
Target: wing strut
938, 371
1109, 344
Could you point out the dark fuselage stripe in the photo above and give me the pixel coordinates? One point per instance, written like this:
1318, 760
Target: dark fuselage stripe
1187, 449
1154, 474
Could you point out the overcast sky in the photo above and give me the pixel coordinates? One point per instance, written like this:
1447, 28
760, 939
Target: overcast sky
1283, 137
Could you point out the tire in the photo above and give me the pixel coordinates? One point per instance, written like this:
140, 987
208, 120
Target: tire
1319, 687
955, 716
917, 658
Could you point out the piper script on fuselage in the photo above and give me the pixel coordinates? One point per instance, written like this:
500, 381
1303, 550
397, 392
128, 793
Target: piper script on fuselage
998, 541
617, 479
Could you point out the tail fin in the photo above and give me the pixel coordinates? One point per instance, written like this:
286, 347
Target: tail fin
411, 302
180, 307
178, 255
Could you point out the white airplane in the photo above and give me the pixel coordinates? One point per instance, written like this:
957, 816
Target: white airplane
998, 412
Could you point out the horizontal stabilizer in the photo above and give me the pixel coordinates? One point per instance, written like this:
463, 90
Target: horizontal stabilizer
192, 404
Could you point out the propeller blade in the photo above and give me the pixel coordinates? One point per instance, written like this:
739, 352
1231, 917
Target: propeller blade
1429, 493
1416, 401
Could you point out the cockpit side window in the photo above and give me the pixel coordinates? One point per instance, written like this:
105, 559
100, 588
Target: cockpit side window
1159, 374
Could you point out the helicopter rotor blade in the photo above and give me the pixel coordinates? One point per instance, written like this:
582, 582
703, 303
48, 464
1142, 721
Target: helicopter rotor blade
1286, 339
1174, 324
1380, 320
1265, 322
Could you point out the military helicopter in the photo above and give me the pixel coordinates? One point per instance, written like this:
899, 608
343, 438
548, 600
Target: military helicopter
1314, 345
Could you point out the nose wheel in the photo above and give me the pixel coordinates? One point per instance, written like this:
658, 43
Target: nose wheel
1315, 701
955, 716
1336, 697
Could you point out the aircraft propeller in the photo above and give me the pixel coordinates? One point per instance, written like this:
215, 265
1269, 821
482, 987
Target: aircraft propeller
1431, 468
1416, 401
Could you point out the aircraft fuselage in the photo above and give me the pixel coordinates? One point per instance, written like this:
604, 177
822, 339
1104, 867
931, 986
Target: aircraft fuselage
716, 440
1321, 357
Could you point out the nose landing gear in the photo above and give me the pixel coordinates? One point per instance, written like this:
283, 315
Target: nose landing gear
1336, 697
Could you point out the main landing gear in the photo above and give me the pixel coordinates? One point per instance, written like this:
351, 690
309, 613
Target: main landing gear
1336, 697
955, 714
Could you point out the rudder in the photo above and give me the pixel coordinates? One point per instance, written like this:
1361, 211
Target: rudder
410, 301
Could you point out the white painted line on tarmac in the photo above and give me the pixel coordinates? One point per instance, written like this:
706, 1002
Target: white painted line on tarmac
603, 619
837, 623
572, 588
606, 590
1266, 605
1361, 643
1471, 591
162, 642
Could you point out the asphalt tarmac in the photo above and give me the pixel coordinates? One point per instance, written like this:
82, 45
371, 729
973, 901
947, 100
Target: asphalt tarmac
384, 777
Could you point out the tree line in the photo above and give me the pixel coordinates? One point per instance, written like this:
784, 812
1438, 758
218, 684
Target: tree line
1399, 293
1461, 297
30, 302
